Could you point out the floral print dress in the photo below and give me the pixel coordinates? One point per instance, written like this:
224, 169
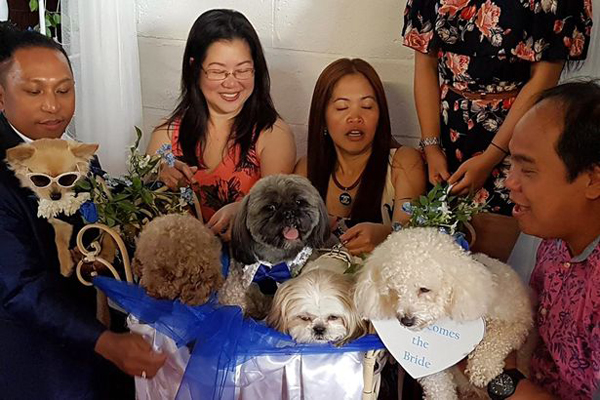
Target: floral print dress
488, 46
228, 182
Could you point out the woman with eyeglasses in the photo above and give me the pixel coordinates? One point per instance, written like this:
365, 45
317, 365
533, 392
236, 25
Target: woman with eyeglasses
225, 131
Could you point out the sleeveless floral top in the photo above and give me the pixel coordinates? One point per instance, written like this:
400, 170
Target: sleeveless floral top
228, 182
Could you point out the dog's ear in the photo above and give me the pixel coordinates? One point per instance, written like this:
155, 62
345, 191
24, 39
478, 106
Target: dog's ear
322, 231
137, 267
242, 244
19, 153
357, 327
83, 150
372, 297
278, 313
471, 285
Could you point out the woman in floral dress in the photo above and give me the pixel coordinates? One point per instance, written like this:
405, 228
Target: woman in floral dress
478, 66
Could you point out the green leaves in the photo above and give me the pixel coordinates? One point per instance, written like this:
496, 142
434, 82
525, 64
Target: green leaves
52, 18
440, 209
132, 200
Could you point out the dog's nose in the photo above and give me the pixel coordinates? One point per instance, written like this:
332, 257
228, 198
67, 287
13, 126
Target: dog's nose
407, 321
55, 196
319, 330
289, 214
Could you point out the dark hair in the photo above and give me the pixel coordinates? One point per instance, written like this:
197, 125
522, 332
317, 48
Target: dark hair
578, 145
321, 155
13, 39
258, 112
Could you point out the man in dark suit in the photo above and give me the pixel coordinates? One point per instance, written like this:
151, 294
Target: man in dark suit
51, 345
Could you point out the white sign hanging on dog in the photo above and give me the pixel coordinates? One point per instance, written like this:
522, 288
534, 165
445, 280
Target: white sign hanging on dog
432, 349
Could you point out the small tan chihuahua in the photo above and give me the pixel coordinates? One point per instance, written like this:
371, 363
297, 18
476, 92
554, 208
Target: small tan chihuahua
51, 168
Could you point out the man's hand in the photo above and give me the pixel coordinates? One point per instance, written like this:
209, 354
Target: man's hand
131, 353
526, 390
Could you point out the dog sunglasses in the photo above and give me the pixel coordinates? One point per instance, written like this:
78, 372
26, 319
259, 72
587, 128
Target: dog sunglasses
66, 180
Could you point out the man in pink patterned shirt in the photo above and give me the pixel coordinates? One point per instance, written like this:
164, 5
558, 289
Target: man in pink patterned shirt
555, 185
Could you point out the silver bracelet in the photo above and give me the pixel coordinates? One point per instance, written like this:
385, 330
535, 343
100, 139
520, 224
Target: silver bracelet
429, 141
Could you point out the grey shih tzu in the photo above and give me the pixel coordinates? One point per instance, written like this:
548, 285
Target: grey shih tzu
281, 220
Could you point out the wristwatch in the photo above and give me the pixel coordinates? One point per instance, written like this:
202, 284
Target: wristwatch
429, 141
505, 384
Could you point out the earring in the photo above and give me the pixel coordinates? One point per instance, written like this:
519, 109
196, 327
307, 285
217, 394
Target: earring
325, 132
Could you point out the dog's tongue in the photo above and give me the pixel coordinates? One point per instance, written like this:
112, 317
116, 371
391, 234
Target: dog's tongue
290, 233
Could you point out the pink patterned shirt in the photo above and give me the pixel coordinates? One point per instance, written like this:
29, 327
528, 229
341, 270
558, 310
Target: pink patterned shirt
567, 359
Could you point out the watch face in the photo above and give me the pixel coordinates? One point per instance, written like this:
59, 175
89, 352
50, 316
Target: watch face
501, 386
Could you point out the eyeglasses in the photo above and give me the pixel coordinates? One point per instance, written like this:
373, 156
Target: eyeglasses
66, 180
221, 75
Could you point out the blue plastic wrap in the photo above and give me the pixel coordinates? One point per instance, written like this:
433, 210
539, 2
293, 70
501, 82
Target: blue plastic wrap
223, 338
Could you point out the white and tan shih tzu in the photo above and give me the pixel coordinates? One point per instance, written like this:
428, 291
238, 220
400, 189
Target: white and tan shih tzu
420, 275
317, 307
281, 221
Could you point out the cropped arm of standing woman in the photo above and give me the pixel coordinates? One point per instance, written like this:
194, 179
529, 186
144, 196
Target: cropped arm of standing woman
427, 100
472, 174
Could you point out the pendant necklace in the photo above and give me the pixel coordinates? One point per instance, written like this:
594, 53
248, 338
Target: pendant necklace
345, 198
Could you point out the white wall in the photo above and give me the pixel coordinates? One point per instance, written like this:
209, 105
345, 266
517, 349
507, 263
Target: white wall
300, 37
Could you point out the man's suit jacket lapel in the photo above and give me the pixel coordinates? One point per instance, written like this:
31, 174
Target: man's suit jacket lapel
8, 137
42, 230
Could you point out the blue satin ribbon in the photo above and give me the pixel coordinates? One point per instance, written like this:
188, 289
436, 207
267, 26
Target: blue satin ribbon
278, 272
460, 239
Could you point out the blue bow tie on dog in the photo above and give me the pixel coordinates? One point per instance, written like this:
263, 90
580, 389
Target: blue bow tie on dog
268, 277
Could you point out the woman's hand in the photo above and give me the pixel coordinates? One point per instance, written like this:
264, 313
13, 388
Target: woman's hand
437, 166
177, 176
222, 221
364, 237
472, 174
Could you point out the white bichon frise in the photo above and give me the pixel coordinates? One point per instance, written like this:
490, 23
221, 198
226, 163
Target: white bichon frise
421, 275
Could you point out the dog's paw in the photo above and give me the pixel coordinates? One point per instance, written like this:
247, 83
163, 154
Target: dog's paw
480, 377
439, 386
440, 396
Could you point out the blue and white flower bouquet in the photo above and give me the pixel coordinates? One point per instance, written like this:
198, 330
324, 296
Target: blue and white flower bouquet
126, 203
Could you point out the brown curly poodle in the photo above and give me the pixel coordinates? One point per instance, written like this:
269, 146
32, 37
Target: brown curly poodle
177, 257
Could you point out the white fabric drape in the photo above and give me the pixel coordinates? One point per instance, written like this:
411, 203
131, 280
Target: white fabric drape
101, 39
522, 258
3, 10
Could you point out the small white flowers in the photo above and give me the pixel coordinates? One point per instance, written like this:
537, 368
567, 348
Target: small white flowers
440, 209
444, 209
68, 205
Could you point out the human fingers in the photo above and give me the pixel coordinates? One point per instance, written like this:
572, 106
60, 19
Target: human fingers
226, 237
350, 234
187, 171
141, 359
361, 249
171, 177
462, 187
